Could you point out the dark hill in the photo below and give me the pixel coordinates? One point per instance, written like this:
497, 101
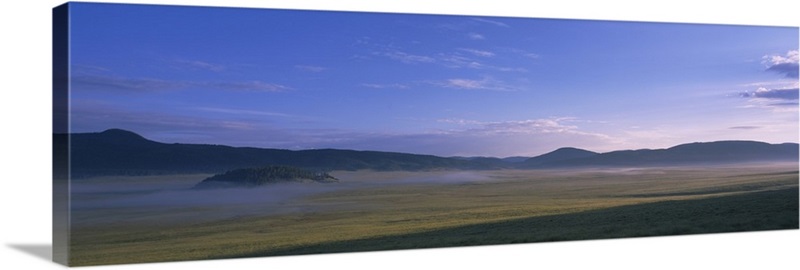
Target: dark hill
561, 154
119, 152
119, 136
515, 159
254, 177
720, 152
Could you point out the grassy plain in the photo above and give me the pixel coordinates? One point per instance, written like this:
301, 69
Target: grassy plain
395, 210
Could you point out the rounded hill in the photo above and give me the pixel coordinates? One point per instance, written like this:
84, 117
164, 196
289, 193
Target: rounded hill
253, 177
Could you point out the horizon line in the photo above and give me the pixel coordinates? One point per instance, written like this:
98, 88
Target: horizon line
442, 156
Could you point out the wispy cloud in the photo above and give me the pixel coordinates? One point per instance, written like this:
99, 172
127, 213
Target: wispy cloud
786, 65
524, 53
105, 83
786, 104
745, 127
791, 57
458, 121
777, 100
509, 69
530, 126
492, 22
466, 83
477, 52
200, 65
92, 82
519, 136
310, 68
457, 58
467, 137
384, 86
191, 127
90, 115
470, 84
87, 69
784, 83
475, 36
249, 86
789, 70
775, 94
407, 57
459, 61
240, 112
531, 55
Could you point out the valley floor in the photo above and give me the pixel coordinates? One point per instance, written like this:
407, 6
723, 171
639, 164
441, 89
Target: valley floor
149, 219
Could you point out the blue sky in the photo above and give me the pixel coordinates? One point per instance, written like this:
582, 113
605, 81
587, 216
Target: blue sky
443, 85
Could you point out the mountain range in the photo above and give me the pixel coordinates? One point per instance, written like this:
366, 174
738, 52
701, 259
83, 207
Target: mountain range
121, 152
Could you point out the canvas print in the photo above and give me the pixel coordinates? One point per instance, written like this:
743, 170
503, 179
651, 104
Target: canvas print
190, 133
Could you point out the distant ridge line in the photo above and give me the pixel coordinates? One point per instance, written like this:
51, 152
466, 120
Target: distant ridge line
123, 152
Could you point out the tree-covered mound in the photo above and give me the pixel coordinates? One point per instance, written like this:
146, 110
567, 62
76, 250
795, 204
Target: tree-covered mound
254, 177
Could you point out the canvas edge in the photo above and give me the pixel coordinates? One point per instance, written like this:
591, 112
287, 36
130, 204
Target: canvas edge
60, 32
60, 87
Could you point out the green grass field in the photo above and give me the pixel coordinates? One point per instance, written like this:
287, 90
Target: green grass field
142, 220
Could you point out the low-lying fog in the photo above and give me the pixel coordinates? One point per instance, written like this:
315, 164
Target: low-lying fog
157, 198
172, 198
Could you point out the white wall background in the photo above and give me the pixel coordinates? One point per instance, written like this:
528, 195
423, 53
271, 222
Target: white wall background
25, 130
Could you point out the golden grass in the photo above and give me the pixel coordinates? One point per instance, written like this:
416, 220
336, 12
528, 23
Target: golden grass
387, 204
